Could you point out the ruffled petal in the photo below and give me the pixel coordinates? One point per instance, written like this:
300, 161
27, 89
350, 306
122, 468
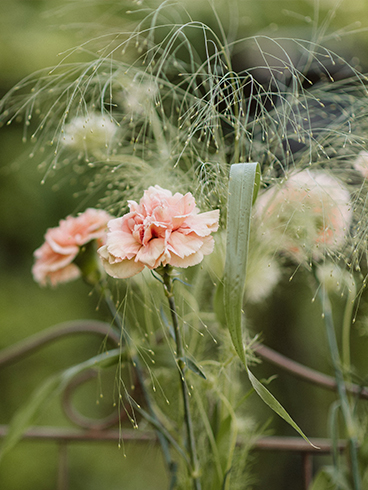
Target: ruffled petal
162, 229
202, 224
66, 274
187, 261
196, 257
123, 269
122, 245
184, 245
150, 254
60, 243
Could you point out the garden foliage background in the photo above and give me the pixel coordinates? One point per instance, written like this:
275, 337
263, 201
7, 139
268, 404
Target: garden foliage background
32, 33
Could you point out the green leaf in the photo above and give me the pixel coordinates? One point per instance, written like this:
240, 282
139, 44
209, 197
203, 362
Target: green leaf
243, 187
322, 482
28, 413
218, 303
271, 401
224, 440
257, 183
241, 190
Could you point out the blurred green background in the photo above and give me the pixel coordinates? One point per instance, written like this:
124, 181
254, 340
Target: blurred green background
32, 34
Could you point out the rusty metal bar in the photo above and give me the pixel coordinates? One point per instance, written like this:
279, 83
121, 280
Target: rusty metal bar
37, 341
26, 347
303, 372
307, 462
66, 434
75, 416
297, 444
271, 443
99, 431
63, 469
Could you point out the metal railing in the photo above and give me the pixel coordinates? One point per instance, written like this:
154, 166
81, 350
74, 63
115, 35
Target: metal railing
102, 429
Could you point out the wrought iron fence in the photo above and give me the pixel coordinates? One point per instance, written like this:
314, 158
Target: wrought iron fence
89, 430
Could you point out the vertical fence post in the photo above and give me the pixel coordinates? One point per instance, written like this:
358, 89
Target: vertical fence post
63, 470
307, 469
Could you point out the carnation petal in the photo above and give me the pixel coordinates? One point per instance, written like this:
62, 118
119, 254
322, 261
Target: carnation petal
44, 275
203, 224
124, 269
119, 269
54, 259
60, 244
150, 254
184, 245
122, 245
163, 229
208, 245
187, 261
66, 274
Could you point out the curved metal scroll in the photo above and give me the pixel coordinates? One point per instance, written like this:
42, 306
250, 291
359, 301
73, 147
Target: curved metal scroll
32, 344
98, 429
75, 416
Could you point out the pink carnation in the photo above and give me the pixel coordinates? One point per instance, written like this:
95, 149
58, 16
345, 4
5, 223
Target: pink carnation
162, 229
361, 163
54, 259
309, 213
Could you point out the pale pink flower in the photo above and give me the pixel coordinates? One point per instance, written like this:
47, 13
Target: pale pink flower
54, 259
306, 215
361, 163
162, 229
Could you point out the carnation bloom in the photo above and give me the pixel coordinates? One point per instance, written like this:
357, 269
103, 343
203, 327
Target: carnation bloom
162, 229
306, 215
361, 163
54, 259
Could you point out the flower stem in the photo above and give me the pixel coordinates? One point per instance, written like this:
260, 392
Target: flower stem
345, 406
180, 360
163, 440
346, 326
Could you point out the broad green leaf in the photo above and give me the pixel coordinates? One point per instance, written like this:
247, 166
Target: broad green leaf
243, 186
257, 183
241, 190
218, 303
28, 413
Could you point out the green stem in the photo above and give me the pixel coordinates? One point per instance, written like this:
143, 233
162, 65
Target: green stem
162, 437
180, 360
346, 327
345, 406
